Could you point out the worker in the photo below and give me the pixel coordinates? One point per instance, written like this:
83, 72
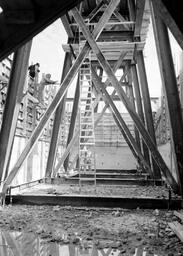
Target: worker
34, 70
46, 79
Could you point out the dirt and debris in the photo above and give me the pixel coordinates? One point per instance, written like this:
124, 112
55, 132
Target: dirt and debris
119, 229
102, 190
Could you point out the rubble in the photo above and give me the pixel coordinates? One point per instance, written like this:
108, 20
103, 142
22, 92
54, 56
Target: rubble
119, 229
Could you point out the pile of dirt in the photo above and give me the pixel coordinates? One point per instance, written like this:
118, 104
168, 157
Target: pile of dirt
121, 229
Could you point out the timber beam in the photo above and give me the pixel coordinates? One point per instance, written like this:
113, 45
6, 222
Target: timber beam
147, 105
145, 135
57, 120
139, 107
12, 105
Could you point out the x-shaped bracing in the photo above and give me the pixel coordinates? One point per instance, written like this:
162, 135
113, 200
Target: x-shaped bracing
145, 135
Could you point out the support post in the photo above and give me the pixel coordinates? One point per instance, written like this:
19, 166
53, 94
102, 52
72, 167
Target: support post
57, 120
170, 88
147, 106
12, 105
73, 120
131, 97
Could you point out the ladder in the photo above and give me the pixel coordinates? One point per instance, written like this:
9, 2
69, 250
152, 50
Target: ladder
87, 159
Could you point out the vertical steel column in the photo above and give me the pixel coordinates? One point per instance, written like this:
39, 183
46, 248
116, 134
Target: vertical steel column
170, 89
73, 119
147, 106
12, 105
57, 120
139, 107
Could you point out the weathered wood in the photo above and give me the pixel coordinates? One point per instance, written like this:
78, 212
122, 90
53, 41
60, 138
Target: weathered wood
123, 127
179, 215
57, 120
59, 95
73, 119
12, 105
177, 228
139, 107
145, 135
147, 105
171, 90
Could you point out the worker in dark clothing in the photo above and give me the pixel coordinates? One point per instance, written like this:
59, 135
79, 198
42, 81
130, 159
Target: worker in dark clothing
33, 70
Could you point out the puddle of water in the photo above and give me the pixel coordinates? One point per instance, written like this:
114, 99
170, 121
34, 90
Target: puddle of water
27, 244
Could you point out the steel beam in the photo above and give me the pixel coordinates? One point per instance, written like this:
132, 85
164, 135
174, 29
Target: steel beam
12, 105
59, 95
170, 88
57, 120
147, 138
147, 106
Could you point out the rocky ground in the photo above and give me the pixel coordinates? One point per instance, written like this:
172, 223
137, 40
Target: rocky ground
129, 191
119, 229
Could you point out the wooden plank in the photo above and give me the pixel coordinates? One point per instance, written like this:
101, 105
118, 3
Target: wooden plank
179, 215
170, 87
12, 105
145, 135
117, 46
177, 228
58, 97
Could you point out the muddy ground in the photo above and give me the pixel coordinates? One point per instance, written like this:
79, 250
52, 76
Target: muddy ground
118, 228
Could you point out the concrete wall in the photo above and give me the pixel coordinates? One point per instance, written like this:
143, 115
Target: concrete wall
114, 158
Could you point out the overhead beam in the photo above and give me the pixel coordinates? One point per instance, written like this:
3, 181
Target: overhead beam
12, 105
145, 135
59, 95
170, 88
